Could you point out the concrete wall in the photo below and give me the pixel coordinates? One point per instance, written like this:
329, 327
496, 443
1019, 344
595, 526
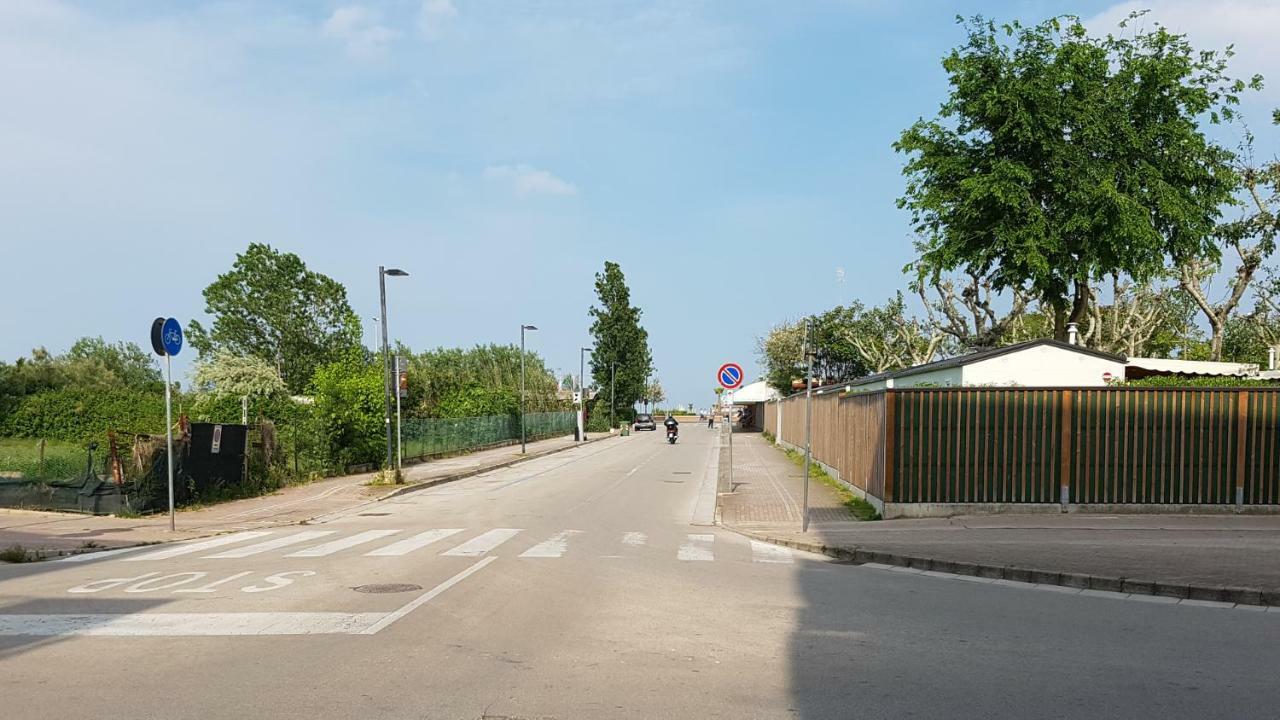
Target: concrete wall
1043, 366
946, 377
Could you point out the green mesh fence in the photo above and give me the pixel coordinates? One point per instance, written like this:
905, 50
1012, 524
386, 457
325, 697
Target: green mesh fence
439, 436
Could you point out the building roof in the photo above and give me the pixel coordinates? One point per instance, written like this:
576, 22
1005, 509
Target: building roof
756, 392
1165, 366
974, 357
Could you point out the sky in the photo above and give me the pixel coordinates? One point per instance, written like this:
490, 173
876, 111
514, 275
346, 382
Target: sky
734, 157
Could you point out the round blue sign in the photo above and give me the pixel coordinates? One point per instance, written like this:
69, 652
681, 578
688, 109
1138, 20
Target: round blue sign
171, 336
730, 375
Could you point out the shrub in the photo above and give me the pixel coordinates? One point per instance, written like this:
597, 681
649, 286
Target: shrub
80, 414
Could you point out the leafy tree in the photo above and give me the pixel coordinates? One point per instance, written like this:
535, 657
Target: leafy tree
94, 361
781, 353
1251, 238
1060, 159
654, 392
270, 306
620, 339
887, 339
224, 373
348, 400
484, 380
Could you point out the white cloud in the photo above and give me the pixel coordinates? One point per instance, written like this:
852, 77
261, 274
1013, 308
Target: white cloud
360, 31
529, 180
434, 14
1252, 26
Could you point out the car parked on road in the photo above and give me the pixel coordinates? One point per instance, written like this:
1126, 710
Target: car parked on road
645, 422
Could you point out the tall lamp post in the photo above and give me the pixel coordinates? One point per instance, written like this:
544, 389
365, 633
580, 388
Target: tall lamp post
388, 386
808, 419
613, 376
582, 395
522, 329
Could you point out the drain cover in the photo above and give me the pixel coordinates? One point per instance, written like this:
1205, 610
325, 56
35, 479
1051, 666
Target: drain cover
382, 588
682, 472
373, 514
675, 482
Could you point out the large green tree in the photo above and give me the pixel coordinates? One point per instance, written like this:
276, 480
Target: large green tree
620, 340
1060, 159
270, 306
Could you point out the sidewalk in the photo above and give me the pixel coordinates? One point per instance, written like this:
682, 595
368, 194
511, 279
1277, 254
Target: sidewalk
55, 533
1227, 558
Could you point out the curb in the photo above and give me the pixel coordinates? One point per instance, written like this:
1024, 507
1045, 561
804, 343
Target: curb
415, 487
1132, 586
397, 493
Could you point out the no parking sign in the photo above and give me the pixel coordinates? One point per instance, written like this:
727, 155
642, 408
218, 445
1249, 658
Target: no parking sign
730, 376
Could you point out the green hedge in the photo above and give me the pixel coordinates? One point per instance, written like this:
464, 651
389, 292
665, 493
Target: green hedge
1173, 381
82, 414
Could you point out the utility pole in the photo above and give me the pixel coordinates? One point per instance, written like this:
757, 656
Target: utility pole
808, 419
613, 376
386, 357
582, 395
399, 434
522, 329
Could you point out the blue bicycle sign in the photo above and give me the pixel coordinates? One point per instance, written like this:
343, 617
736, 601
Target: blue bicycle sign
171, 336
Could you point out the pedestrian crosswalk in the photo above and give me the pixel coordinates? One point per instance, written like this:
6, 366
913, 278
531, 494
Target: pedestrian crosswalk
456, 542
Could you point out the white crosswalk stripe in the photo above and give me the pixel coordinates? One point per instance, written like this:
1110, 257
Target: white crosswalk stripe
188, 548
698, 548
763, 552
330, 548
634, 539
552, 547
482, 544
273, 544
409, 544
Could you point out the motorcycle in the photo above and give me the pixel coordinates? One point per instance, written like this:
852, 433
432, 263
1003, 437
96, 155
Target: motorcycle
672, 432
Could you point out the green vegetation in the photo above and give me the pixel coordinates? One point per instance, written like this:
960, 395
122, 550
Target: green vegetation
860, 508
1182, 382
21, 456
620, 341
270, 306
19, 554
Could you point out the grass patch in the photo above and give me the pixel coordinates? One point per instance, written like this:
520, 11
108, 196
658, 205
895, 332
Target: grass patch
19, 554
21, 457
860, 508
769, 437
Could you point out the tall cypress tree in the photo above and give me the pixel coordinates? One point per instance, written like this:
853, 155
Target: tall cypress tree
619, 338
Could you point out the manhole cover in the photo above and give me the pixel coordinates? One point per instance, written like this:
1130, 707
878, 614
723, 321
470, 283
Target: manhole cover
675, 482
383, 588
373, 514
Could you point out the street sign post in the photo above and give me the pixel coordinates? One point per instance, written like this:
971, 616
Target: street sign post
730, 377
166, 340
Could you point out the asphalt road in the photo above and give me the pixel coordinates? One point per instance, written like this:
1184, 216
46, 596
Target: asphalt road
586, 585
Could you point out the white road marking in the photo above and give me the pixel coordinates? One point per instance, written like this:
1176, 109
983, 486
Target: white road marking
763, 552
552, 547
85, 557
330, 548
208, 587
274, 544
482, 544
698, 548
634, 539
425, 598
190, 624
410, 544
201, 546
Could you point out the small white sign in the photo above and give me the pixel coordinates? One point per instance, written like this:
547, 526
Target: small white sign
217, 439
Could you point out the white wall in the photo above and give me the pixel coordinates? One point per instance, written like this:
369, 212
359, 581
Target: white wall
1042, 366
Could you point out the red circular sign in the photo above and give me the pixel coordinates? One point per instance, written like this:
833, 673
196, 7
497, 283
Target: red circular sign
730, 376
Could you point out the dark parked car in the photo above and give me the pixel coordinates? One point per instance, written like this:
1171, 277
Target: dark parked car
645, 422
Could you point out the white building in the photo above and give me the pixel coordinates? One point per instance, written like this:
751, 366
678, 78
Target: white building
1038, 363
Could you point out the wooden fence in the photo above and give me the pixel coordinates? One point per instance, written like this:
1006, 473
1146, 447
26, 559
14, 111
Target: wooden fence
1183, 446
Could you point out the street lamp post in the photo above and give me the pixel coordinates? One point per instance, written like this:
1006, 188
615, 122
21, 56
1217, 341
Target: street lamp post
808, 419
387, 384
613, 376
582, 395
522, 329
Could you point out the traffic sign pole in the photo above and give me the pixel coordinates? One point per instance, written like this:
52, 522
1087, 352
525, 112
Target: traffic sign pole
730, 377
168, 428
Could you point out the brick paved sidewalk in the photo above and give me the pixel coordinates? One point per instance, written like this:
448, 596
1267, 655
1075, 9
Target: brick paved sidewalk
767, 491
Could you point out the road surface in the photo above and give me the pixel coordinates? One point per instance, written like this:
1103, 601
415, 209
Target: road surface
589, 584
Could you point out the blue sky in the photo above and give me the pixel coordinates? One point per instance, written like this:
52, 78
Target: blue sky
730, 155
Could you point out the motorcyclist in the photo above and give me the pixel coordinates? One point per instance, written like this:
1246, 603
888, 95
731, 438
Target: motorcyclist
672, 424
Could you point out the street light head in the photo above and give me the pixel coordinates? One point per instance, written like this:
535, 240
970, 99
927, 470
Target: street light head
528, 327
395, 272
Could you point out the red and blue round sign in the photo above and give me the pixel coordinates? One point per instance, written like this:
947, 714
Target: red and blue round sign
730, 376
